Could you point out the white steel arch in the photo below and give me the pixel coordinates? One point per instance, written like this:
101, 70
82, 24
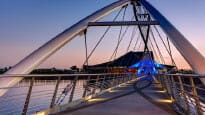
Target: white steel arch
192, 56
186, 49
33, 60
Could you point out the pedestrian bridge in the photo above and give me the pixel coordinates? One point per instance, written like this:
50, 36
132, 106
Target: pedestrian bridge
107, 91
125, 99
122, 93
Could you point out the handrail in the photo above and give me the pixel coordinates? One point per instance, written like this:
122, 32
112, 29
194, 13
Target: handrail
61, 91
55, 75
186, 75
185, 94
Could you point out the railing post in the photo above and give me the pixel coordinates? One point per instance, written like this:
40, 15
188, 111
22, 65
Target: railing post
165, 81
167, 85
195, 94
133, 77
126, 76
113, 80
102, 83
55, 92
96, 83
86, 87
158, 79
109, 80
118, 80
174, 91
186, 105
130, 78
73, 89
161, 81
123, 78
26, 104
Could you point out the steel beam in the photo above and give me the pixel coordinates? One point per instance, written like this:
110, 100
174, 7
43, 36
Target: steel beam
123, 23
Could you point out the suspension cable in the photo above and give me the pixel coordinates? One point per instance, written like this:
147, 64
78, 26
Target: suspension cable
153, 49
119, 41
131, 60
137, 41
173, 62
119, 37
132, 37
101, 38
116, 48
165, 45
160, 54
140, 44
161, 39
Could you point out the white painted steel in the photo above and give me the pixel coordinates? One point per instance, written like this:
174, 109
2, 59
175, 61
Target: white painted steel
186, 49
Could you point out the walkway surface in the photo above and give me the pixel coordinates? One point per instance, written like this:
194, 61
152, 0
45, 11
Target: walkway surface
126, 100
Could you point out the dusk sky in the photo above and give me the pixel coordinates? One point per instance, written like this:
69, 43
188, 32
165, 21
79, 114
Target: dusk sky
25, 25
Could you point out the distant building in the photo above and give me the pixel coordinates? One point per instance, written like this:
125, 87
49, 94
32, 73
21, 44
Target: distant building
52, 71
119, 65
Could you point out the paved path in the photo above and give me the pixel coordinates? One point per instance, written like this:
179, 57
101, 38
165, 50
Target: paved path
125, 100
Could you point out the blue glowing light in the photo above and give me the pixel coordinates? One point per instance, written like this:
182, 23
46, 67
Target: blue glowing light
147, 67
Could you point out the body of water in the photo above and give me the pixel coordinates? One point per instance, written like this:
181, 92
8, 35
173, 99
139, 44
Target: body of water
13, 101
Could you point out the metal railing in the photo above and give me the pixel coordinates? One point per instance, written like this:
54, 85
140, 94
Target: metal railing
39, 92
185, 91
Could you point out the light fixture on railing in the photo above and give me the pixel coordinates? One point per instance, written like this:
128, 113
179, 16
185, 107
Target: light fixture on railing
88, 97
40, 113
164, 100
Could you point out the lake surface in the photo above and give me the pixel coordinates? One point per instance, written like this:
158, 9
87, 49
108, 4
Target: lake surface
12, 102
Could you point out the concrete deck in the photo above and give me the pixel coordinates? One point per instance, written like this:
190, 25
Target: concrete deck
126, 100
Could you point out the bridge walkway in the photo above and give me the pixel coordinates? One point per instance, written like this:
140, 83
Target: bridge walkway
126, 100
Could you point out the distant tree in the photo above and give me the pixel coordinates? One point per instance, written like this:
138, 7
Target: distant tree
74, 68
53, 69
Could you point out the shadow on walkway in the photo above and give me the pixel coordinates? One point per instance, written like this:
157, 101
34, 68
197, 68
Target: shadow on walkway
153, 93
126, 99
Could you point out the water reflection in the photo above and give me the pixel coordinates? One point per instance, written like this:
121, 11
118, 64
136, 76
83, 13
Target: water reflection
12, 102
